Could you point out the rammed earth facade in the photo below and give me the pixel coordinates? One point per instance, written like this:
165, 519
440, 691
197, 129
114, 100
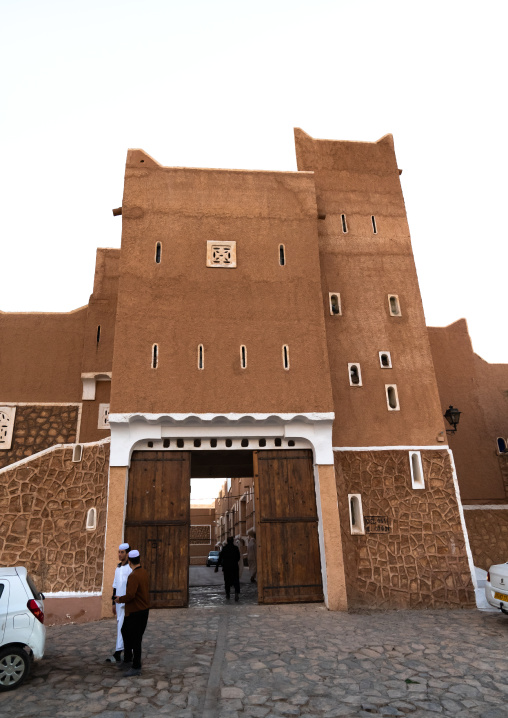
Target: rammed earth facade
265, 325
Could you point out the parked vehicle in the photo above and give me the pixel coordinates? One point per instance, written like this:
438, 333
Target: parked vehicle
496, 586
213, 558
22, 630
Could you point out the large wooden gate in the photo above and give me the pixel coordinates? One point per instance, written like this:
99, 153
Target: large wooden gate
289, 566
157, 522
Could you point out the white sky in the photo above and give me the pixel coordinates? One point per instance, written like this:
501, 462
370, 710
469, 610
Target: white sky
222, 84
205, 490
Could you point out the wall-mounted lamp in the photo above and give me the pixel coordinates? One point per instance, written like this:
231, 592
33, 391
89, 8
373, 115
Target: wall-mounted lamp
452, 416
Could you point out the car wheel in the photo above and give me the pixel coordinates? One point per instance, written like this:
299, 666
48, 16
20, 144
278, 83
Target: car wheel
14, 668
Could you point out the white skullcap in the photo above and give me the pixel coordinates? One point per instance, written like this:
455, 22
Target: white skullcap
123, 547
133, 554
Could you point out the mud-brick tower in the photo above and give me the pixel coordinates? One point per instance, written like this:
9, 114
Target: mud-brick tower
402, 527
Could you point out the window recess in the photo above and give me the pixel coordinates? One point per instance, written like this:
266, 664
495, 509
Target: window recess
385, 360
335, 305
392, 398
415, 463
356, 524
394, 305
355, 374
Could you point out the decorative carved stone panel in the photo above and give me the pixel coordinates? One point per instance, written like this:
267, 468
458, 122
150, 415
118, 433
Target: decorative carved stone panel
7, 414
103, 416
221, 254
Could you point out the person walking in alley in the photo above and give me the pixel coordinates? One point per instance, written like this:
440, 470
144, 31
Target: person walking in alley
252, 555
228, 559
122, 573
137, 605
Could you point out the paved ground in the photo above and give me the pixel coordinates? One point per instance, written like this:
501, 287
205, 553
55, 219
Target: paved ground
242, 661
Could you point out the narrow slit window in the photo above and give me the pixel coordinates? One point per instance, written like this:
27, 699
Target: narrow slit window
355, 374
77, 453
501, 446
158, 250
155, 356
415, 462
344, 223
243, 356
98, 333
335, 308
91, 519
385, 360
392, 398
356, 524
394, 305
374, 227
201, 357
285, 356
282, 255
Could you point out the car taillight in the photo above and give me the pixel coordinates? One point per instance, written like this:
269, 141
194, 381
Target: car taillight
33, 606
488, 576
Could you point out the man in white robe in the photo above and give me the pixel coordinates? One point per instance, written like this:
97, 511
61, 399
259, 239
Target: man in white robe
123, 570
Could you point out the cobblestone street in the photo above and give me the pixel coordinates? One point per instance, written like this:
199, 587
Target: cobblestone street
231, 661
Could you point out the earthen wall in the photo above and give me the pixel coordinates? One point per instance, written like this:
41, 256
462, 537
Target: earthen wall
488, 536
202, 534
43, 510
39, 426
420, 561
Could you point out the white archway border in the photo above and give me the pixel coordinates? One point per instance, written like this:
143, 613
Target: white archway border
127, 430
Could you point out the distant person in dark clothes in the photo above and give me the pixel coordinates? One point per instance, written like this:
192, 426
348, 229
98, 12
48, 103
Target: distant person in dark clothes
228, 559
137, 605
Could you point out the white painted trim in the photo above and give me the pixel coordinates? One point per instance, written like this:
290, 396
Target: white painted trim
388, 354
485, 507
27, 459
90, 380
431, 447
127, 430
73, 594
463, 523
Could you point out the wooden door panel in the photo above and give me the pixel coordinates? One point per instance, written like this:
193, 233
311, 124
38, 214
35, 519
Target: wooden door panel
157, 520
289, 569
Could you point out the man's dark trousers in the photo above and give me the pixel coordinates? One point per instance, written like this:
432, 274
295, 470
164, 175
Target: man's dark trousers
132, 631
232, 578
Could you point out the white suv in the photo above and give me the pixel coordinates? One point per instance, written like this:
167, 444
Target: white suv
22, 630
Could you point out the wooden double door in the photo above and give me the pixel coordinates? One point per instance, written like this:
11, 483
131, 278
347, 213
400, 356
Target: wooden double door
158, 524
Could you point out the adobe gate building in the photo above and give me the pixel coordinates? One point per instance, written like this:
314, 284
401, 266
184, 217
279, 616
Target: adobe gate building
264, 324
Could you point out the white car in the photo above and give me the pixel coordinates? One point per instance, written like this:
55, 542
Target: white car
22, 630
496, 586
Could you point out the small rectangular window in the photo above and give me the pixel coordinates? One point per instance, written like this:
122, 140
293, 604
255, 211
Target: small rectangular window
344, 223
385, 360
243, 356
356, 523
91, 519
77, 453
98, 333
394, 305
282, 255
355, 374
201, 357
335, 306
166, 443
392, 398
415, 463
155, 356
285, 356
374, 228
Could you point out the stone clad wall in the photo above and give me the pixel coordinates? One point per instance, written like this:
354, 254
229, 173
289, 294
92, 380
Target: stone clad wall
43, 508
38, 427
488, 536
421, 562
